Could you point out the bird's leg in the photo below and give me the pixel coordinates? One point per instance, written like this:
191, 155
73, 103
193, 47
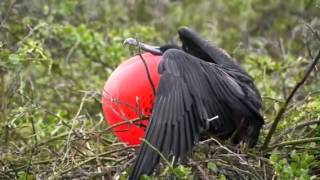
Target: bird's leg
148, 48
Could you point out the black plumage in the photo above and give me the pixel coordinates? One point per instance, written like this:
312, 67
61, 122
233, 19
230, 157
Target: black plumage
201, 89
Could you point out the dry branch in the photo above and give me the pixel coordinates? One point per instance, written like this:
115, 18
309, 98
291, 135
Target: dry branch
298, 126
147, 70
284, 106
295, 142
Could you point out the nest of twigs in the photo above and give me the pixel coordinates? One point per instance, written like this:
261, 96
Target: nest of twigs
72, 155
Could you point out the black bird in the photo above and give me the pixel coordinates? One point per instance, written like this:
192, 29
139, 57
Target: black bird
201, 90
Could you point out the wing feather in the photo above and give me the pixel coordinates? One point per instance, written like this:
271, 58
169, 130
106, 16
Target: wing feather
193, 44
190, 92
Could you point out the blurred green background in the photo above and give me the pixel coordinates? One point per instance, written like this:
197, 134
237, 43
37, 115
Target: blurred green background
56, 55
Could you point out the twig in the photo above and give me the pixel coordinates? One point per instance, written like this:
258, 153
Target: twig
125, 165
5, 176
124, 122
147, 70
230, 151
70, 52
295, 142
103, 131
238, 170
273, 99
33, 163
309, 49
8, 13
34, 132
118, 102
124, 158
203, 173
299, 103
91, 159
298, 126
32, 30
284, 107
67, 146
159, 153
3, 106
315, 33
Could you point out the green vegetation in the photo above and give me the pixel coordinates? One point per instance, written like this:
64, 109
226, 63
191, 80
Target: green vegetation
56, 55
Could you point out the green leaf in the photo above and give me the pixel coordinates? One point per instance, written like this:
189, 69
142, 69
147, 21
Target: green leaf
222, 177
181, 171
212, 166
26, 176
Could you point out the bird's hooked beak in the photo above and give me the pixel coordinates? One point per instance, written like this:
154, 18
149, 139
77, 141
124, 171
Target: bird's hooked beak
148, 48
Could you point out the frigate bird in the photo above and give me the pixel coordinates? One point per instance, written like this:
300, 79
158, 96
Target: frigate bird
201, 90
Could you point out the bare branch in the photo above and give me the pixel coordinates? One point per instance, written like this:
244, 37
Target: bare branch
295, 142
284, 106
147, 71
298, 126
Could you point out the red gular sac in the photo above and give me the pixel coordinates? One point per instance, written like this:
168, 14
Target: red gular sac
128, 95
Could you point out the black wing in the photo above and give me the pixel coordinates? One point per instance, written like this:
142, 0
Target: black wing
193, 44
199, 47
191, 92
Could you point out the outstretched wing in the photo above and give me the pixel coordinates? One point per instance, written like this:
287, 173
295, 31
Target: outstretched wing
193, 44
199, 47
192, 96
